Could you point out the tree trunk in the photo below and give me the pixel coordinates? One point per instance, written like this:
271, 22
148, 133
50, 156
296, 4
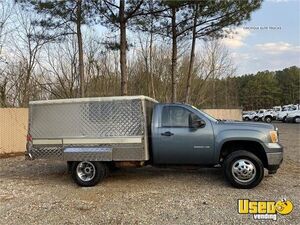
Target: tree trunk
3, 93
150, 64
80, 48
214, 92
123, 43
192, 58
174, 56
25, 94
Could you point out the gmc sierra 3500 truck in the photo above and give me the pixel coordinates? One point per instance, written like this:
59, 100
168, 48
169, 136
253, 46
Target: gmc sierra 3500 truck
95, 134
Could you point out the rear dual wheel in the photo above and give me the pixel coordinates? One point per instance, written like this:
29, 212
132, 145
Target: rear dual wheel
88, 173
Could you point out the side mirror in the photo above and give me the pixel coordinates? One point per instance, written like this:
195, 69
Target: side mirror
195, 122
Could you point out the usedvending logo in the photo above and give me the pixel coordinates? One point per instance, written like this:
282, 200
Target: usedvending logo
265, 210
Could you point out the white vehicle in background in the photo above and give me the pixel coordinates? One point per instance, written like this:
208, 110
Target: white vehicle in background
276, 109
266, 115
286, 109
293, 117
259, 115
269, 115
249, 115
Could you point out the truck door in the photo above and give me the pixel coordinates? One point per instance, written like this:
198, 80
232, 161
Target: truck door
178, 143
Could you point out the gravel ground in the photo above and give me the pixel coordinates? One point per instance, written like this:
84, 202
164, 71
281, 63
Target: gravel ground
40, 192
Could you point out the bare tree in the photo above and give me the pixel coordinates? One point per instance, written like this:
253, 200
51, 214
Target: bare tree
26, 47
215, 63
6, 9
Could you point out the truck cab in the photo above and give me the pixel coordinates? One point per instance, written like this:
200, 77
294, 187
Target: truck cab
176, 139
184, 135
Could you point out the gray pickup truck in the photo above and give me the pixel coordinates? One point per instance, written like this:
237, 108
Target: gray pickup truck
94, 135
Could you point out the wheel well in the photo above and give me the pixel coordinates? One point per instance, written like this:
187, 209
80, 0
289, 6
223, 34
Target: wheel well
251, 146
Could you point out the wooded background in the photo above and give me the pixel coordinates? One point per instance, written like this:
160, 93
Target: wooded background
168, 50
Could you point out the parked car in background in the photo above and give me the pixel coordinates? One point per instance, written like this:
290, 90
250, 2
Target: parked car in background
247, 116
276, 109
286, 109
293, 117
269, 116
259, 115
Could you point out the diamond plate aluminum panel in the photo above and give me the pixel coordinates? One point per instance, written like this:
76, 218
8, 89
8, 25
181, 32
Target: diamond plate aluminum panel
47, 152
88, 154
88, 119
94, 118
118, 152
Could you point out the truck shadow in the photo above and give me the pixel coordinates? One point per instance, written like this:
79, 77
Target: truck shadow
178, 174
55, 172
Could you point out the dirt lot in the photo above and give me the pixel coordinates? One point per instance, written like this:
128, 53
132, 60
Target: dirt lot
37, 192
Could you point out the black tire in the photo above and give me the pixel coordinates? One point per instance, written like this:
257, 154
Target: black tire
295, 119
284, 119
268, 119
100, 172
233, 158
69, 165
256, 118
247, 118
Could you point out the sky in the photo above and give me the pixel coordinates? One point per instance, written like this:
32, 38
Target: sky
270, 40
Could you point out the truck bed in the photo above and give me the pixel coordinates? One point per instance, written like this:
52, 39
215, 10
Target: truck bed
106, 128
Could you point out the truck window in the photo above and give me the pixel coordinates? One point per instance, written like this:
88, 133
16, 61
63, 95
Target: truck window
175, 116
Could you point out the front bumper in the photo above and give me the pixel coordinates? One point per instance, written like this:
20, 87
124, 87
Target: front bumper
274, 153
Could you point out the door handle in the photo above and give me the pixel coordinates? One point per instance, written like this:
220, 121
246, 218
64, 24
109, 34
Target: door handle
168, 133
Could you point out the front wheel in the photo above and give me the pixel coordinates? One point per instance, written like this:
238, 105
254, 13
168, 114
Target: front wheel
243, 169
87, 173
268, 119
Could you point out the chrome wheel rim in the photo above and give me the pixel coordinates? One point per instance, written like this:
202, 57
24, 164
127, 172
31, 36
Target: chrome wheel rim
243, 170
86, 171
297, 120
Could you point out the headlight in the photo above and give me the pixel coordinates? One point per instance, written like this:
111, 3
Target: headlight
274, 136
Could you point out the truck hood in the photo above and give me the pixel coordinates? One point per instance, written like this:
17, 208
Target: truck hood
245, 125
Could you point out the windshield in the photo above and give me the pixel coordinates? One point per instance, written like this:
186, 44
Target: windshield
207, 115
